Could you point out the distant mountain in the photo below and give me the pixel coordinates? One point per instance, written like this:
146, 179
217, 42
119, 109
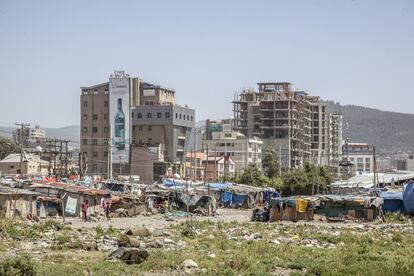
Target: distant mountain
388, 131
71, 133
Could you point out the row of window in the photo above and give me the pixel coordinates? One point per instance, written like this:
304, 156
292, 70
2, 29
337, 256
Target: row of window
149, 115
94, 117
166, 115
85, 103
95, 154
94, 129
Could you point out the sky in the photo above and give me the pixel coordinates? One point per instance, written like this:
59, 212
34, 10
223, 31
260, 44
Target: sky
352, 52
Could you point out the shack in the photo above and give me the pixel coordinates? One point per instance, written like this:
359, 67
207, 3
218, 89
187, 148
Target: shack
72, 197
349, 207
292, 208
393, 202
17, 203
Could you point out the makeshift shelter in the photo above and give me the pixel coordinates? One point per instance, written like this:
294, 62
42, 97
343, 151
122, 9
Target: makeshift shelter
349, 207
72, 197
292, 208
17, 203
393, 202
194, 200
240, 196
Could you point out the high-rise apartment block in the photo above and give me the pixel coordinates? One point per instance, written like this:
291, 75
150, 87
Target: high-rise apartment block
294, 123
124, 113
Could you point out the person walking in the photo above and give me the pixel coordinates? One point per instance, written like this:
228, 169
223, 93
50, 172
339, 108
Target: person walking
107, 206
85, 207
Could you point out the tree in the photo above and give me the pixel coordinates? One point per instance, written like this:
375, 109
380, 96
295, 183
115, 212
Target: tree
6, 147
253, 176
270, 163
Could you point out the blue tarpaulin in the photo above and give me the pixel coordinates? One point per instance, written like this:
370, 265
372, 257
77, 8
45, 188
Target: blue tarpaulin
393, 202
408, 197
219, 186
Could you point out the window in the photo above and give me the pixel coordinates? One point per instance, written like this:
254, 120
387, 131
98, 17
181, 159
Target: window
95, 116
105, 154
132, 114
85, 129
149, 128
106, 116
159, 115
11, 167
149, 115
188, 117
139, 115
139, 128
106, 141
176, 115
84, 141
95, 154
85, 117
85, 104
95, 142
105, 129
95, 129
191, 118
106, 103
133, 128
180, 116
167, 114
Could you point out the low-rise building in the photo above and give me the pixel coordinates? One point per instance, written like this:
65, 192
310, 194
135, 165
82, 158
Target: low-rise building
359, 154
219, 167
242, 149
31, 165
29, 136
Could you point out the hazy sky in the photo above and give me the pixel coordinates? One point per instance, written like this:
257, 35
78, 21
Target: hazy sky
355, 52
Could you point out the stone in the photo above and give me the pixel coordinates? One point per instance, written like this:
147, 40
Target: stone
211, 255
129, 255
189, 264
128, 241
89, 245
168, 241
140, 231
154, 244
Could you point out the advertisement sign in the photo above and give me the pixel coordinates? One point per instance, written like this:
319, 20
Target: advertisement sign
119, 117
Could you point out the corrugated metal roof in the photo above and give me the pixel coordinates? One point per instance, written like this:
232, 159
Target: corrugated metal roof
69, 188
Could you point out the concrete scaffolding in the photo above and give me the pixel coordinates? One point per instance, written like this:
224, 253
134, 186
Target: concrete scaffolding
283, 118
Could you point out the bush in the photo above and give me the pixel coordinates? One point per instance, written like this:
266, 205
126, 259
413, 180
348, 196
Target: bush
20, 265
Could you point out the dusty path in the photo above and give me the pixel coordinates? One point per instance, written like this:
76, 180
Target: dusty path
159, 221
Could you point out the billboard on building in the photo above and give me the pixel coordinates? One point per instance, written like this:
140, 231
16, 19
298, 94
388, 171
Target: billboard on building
119, 117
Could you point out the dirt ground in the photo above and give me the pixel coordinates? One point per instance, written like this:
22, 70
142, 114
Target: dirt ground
158, 221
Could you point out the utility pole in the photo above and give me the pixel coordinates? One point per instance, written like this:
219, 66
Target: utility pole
22, 125
205, 173
280, 161
195, 154
60, 157
54, 156
215, 161
66, 158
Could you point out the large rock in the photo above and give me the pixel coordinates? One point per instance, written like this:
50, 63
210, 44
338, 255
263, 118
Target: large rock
140, 231
129, 255
128, 241
188, 264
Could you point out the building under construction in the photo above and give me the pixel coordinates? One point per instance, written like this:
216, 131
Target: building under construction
294, 123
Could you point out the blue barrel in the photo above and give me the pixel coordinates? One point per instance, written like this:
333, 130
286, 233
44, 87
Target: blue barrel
408, 198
